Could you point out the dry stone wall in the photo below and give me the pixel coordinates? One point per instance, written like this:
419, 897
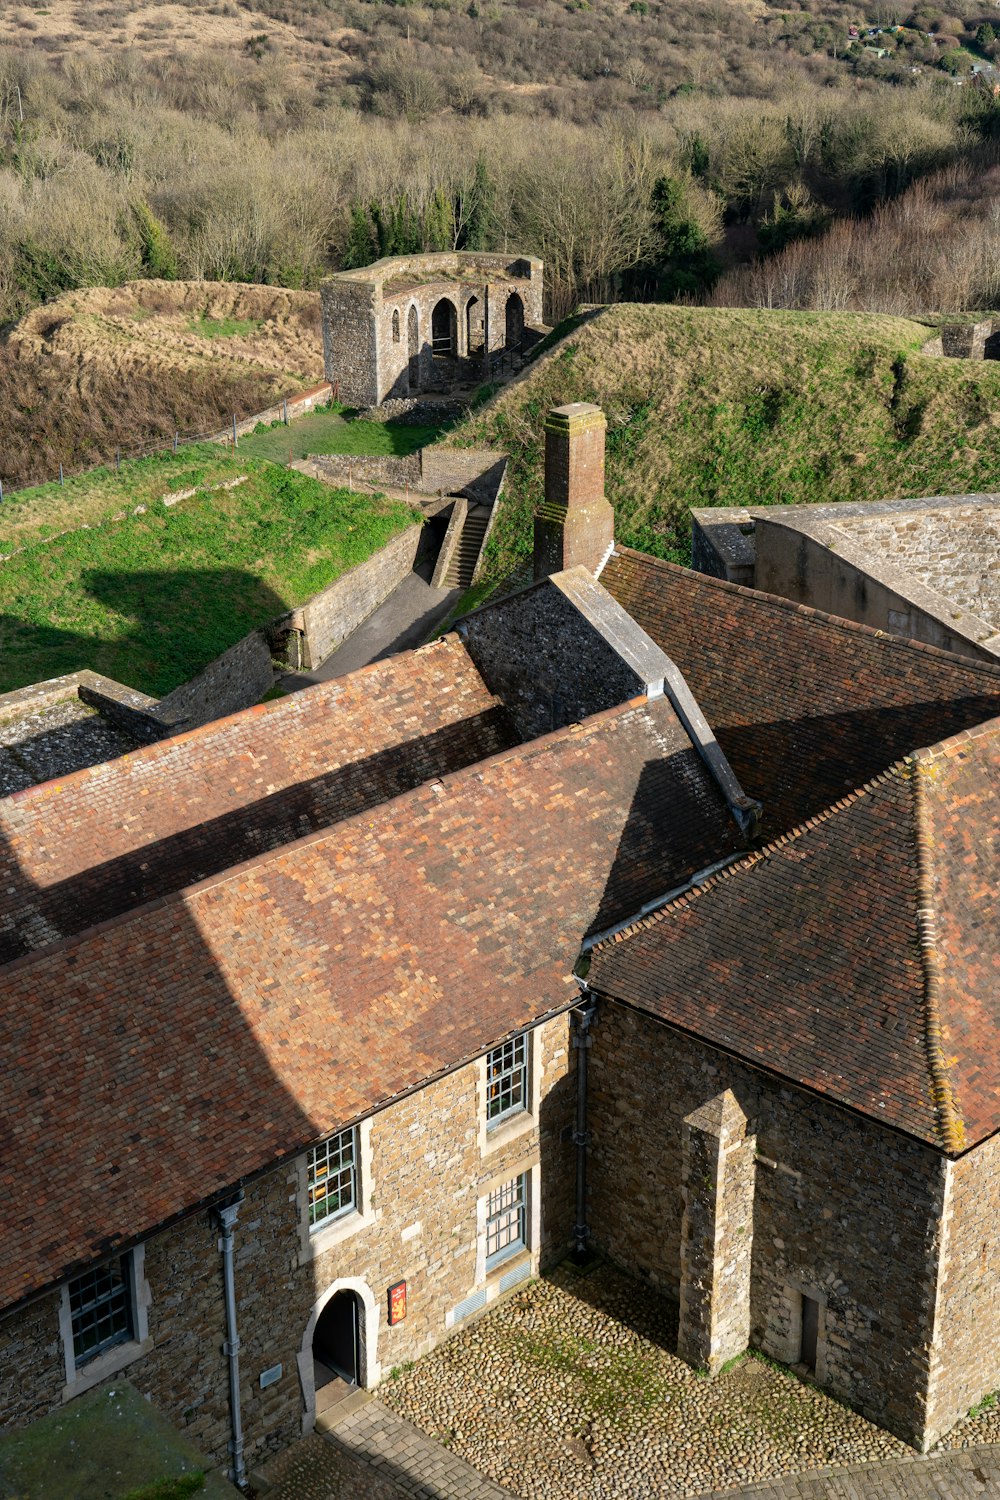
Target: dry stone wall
843, 1212
955, 551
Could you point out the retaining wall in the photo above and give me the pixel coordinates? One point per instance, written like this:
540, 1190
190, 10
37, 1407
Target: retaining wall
297, 406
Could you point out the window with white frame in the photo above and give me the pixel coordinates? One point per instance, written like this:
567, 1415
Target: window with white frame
333, 1178
101, 1309
507, 1080
507, 1220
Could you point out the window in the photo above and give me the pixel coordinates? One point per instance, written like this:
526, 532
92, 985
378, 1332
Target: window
507, 1080
395, 328
506, 1220
101, 1309
333, 1178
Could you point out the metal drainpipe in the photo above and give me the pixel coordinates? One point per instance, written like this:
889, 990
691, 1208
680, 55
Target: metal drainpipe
227, 1216
584, 1019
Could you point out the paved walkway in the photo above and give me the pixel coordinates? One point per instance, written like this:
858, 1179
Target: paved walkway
967, 1474
406, 619
416, 1464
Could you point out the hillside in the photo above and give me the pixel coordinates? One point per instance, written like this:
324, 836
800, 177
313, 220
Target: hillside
147, 574
99, 369
713, 406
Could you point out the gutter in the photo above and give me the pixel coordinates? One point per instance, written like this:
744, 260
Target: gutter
227, 1216
589, 943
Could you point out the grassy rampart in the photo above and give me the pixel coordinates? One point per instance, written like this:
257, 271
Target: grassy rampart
719, 406
114, 573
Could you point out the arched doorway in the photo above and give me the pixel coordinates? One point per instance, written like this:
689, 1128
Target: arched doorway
474, 326
514, 318
443, 329
337, 1341
413, 347
331, 1339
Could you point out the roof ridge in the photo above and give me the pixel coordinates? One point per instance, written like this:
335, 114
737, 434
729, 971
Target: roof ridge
752, 860
158, 748
370, 817
947, 746
951, 1127
807, 610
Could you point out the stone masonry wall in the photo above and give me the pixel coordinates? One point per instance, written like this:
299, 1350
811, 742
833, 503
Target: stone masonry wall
237, 679
431, 1162
331, 615
967, 1367
843, 1212
550, 666
349, 348
954, 551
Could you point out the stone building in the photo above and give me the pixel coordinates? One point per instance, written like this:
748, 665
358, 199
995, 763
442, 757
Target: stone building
928, 568
415, 323
292, 1006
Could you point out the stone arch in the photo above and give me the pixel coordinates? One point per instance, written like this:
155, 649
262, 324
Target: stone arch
475, 329
513, 321
444, 328
370, 1371
395, 325
413, 346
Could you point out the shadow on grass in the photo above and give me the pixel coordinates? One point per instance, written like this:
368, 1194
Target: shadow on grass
153, 631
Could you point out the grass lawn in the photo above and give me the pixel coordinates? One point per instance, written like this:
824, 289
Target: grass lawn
331, 432
730, 406
224, 328
150, 599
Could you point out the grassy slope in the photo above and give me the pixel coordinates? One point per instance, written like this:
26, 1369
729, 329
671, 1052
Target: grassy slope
715, 406
150, 599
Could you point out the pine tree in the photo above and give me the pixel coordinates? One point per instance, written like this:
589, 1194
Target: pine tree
478, 231
362, 245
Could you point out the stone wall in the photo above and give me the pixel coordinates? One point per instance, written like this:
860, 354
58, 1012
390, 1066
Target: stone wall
393, 470
329, 616
843, 1212
237, 679
293, 406
550, 666
967, 1363
476, 472
965, 340
954, 551
430, 1164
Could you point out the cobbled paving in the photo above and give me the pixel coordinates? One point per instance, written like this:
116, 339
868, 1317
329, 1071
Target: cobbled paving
570, 1389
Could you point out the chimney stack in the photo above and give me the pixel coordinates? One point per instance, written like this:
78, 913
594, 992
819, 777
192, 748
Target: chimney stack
575, 525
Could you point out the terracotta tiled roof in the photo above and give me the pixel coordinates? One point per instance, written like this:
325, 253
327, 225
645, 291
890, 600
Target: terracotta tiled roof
175, 1049
76, 851
806, 706
858, 956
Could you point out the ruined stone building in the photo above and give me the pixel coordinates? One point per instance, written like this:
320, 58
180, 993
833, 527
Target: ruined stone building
416, 322
304, 999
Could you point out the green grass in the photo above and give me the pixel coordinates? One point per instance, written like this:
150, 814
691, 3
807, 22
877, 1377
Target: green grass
224, 328
150, 599
169, 1489
330, 432
718, 406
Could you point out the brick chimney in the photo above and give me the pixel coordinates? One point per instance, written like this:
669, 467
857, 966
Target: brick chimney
574, 525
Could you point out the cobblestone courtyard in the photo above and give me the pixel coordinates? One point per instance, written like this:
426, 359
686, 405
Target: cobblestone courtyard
570, 1389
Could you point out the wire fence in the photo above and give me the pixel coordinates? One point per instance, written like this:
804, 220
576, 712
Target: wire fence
287, 408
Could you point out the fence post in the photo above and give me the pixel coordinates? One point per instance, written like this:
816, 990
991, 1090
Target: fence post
1, 491
61, 479
286, 411
176, 435
118, 458
350, 477
234, 432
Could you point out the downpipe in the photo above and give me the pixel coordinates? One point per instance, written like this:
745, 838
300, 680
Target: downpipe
583, 1020
227, 1216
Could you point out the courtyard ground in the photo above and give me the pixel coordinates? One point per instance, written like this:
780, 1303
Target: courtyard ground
571, 1388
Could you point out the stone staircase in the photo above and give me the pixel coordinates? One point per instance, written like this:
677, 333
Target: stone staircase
466, 555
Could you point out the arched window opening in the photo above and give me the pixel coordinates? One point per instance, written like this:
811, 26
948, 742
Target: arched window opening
395, 326
443, 328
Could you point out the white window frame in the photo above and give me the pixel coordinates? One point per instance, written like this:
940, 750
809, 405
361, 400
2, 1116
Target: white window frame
316, 1239
344, 1144
510, 1199
514, 1123
98, 1367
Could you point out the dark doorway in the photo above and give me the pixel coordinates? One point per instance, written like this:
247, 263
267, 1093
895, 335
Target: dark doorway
515, 321
413, 348
810, 1333
443, 323
336, 1342
474, 326
991, 349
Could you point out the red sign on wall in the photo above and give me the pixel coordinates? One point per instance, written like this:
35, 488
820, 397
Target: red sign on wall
397, 1303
